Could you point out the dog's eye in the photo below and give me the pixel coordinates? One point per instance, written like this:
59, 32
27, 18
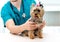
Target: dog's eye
14, 0
38, 10
34, 10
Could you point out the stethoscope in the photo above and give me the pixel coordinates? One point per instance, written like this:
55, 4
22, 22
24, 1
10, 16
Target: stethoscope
23, 15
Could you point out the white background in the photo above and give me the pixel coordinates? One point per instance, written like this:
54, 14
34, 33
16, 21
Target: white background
50, 2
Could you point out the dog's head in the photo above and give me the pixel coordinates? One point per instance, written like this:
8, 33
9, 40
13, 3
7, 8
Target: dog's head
36, 11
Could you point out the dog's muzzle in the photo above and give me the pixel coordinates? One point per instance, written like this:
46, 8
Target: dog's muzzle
37, 11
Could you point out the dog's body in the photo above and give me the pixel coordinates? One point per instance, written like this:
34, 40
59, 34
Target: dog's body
36, 13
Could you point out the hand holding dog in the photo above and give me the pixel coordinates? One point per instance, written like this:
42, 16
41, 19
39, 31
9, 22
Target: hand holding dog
30, 25
41, 25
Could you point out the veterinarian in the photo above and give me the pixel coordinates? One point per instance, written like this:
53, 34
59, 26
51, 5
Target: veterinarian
16, 14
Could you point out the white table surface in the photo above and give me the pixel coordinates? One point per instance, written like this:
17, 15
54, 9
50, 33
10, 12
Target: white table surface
50, 34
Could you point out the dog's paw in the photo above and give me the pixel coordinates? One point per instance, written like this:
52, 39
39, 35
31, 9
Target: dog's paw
31, 36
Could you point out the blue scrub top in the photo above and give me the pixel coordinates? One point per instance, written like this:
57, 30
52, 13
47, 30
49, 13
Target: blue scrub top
9, 11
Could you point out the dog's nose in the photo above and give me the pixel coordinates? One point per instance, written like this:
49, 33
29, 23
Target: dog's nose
35, 13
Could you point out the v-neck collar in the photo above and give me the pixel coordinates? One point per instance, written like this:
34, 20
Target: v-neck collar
16, 10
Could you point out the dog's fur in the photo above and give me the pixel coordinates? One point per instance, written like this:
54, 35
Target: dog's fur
36, 13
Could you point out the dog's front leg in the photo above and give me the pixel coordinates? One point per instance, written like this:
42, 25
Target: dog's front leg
39, 33
31, 34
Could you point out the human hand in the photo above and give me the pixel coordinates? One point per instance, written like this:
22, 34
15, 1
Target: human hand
30, 25
40, 26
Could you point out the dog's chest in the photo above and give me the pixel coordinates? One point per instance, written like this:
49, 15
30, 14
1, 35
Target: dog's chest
37, 20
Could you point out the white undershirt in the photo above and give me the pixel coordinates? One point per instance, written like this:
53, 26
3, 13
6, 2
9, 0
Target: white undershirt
17, 4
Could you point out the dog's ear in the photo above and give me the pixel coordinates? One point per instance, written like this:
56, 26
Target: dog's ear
42, 12
41, 5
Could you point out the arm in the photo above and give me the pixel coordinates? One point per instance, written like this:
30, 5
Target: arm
20, 28
14, 28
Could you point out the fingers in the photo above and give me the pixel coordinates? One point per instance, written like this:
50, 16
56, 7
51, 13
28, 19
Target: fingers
44, 22
42, 25
33, 27
32, 23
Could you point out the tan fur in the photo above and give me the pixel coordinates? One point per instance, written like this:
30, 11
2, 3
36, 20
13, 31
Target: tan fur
38, 20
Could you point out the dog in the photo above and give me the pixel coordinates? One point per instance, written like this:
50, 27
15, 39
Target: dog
36, 13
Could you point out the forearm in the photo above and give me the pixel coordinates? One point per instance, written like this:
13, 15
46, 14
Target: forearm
16, 29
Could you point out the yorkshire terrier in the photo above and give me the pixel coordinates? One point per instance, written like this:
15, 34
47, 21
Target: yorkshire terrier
36, 13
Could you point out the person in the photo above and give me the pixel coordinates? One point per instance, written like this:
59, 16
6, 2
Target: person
16, 14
